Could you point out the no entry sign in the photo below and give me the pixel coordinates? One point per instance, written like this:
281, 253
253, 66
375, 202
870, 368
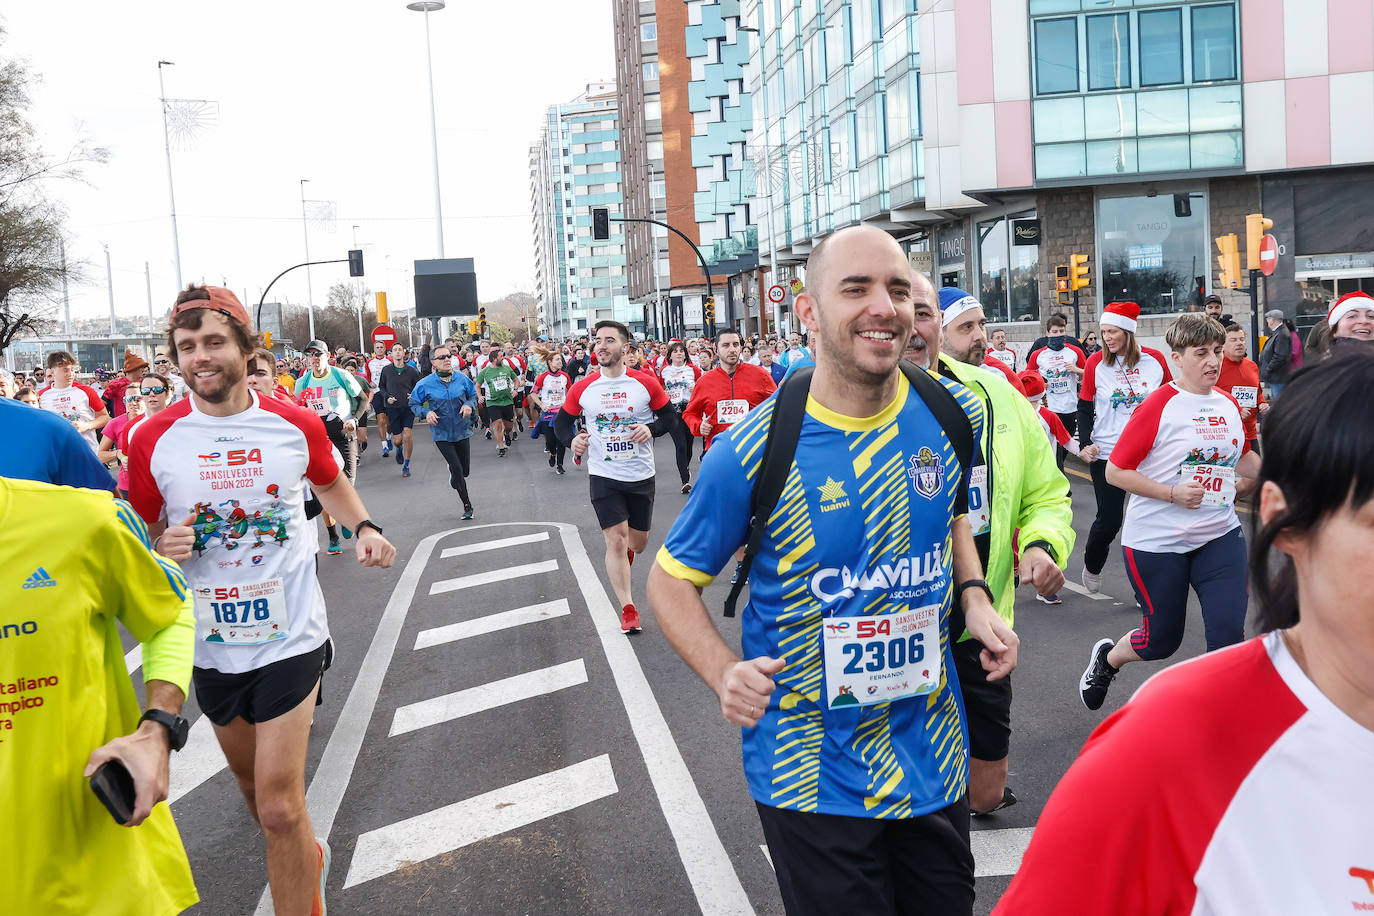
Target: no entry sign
1269, 255
384, 333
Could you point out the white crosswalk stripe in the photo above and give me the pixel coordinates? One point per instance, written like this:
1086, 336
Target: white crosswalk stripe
465, 549
494, 575
488, 696
491, 623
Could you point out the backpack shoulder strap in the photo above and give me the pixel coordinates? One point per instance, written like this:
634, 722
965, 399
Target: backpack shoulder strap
947, 410
784, 428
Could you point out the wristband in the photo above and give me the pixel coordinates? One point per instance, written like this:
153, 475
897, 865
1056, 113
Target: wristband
972, 583
1043, 545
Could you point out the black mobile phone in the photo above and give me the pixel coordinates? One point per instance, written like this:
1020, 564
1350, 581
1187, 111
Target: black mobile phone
114, 786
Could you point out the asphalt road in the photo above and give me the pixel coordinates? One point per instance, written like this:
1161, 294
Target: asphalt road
490, 742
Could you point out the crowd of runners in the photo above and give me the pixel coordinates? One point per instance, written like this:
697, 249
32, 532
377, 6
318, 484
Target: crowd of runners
881, 487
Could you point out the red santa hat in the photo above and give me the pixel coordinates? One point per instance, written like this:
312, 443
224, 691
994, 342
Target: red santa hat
1033, 383
1122, 315
1347, 304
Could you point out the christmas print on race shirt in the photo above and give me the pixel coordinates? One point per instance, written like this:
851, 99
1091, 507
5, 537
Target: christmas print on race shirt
611, 408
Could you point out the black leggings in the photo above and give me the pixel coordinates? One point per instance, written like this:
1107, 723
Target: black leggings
459, 457
682, 446
553, 445
1111, 506
1216, 571
1070, 421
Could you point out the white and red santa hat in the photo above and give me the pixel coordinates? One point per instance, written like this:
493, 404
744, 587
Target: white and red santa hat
1347, 304
1123, 315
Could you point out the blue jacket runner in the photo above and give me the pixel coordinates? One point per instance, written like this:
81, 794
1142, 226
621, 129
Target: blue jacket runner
447, 400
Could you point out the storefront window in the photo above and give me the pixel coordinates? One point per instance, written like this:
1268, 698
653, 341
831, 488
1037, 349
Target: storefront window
1008, 281
1151, 249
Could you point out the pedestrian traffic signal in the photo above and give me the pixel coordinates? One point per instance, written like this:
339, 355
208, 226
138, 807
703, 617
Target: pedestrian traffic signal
1078, 271
601, 223
1255, 228
1229, 261
267, 339
355, 262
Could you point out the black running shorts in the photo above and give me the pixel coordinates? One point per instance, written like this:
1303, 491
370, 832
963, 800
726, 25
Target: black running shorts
399, 417
987, 704
500, 412
263, 694
616, 501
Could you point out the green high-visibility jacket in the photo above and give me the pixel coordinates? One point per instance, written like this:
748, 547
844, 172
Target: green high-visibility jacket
1029, 492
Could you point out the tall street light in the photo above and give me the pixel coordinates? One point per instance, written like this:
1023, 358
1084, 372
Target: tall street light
427, 7
767, 174
167, 145
309, 291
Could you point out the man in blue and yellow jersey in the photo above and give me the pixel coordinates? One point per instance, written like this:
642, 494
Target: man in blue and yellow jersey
77, 564
1016, 486
855, 748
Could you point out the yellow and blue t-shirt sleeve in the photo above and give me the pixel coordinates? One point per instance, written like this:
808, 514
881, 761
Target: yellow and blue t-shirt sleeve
149, 595
714, 523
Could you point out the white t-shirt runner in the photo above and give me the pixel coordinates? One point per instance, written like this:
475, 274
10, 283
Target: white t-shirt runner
1061, 382
243, 478
375, 365
553, 389
1007, 356
610, 408
1117, 391
1176, 436
76, 403
678, 382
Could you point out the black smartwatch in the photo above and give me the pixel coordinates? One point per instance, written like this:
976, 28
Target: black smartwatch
368, 523
1043, 545
968, 584
176, 726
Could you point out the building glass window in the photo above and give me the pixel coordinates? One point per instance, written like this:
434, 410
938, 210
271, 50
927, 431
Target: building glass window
1149, 253
1109, 51
1214, 43
898, 110
1056, 56
1161, 47
651, 71
648, 32
1008, 274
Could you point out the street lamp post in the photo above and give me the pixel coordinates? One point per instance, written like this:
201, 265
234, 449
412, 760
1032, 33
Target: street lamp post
167, 145
309, 291
427, 7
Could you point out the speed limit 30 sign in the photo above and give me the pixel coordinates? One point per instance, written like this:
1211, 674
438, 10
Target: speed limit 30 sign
776, 294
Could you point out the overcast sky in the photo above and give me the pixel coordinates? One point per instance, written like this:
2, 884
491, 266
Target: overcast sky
330, 91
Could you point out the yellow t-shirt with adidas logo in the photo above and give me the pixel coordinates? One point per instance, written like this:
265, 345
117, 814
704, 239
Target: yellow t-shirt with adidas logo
74, 562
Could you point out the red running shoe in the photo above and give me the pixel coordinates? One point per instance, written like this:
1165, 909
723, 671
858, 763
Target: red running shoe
629, 620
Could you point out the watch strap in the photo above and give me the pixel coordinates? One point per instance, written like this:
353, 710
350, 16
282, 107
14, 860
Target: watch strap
368, 523
176, 726
968, 584
1043, 545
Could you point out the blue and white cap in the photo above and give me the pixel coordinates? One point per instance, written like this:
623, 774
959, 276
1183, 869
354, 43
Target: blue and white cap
954, 302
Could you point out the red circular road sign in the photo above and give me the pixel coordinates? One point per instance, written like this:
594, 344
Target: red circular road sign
384, 333
776, 294
1269, 254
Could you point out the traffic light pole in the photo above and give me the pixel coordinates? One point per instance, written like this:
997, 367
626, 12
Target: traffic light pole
1077, 332
257, 316
1254, 309
706, 271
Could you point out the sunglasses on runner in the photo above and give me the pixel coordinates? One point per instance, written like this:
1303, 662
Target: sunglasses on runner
445, 356
160, 389
313, 353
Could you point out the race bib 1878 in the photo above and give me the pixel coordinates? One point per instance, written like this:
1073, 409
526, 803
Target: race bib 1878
242, 615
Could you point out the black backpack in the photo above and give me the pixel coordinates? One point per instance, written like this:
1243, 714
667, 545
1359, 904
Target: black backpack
784, 428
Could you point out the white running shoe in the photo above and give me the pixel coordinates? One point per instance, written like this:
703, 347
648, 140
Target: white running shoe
1092, 583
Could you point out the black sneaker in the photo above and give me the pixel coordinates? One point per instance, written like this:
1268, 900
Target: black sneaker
488, 434
552, 460
1092, 687
1008, 799
467, 512
560, 470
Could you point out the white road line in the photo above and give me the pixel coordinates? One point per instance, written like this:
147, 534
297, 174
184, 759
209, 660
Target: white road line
714, 881
491, 623
495, 575
133, 659
382, 851
998, 852
199, 760
341, 753
767, 855
449, 552
488, 696
1075, 587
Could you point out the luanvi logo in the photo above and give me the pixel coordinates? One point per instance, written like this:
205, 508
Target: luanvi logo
40, 579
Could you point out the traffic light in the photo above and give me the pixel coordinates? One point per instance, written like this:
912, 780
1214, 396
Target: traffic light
1255, 228
1078, 271
472, 327
709, 309
482, 319
267, 339
1061, 283
601, 223
355, 262
1229, 261
382, 313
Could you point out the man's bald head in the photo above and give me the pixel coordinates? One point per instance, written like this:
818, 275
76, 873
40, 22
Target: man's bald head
833, 248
